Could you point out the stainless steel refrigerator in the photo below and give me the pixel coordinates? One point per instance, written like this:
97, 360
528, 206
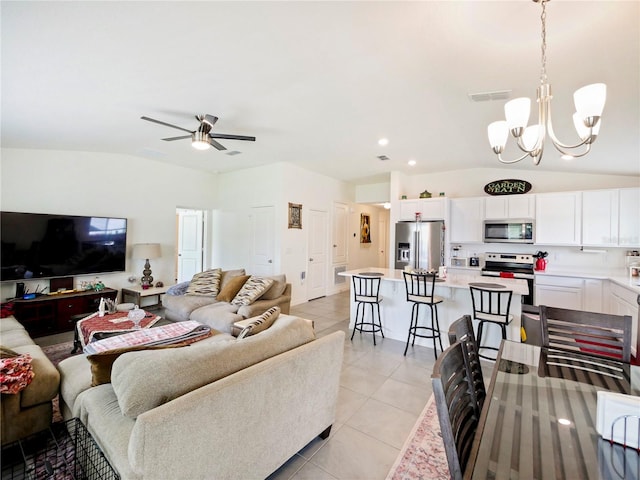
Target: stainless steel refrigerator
420, 245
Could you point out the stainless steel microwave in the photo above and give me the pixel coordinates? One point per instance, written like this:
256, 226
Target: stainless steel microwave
508, 231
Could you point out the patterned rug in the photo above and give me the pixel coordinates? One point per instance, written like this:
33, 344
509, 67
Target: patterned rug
56, 353
422, 457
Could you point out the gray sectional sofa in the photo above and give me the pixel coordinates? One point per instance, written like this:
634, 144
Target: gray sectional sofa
30, 410
219, 314
222, 408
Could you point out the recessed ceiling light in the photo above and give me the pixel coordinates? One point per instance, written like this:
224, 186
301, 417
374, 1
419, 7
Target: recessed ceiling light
564, 421
411, 163
383, 142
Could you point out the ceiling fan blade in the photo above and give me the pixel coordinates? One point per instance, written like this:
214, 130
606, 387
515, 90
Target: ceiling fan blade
232, 137
217, 145
165, 124
210, 119
171, 139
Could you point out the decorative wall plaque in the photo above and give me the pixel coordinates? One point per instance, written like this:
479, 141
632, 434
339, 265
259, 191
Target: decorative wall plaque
365, 228
295, 215
507, 187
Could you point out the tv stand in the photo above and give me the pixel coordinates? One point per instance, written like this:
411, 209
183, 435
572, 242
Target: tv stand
49, 314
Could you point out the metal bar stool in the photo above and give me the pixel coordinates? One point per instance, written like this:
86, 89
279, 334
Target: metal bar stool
420, 288
366, 292
491, 305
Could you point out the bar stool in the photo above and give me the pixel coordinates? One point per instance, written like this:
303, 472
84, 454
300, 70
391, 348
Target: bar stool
420, 288
491, 305
366, 292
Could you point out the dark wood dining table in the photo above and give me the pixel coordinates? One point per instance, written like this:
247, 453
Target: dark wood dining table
539, 419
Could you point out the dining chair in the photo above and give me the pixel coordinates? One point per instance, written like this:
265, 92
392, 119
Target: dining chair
491, 306
420, 288
457, 413
366, 291
462, 330
596, 334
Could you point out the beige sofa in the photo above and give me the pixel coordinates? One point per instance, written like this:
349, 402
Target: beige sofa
221, 315
30, 410
220, 408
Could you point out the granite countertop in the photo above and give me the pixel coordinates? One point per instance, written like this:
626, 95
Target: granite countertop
453, 280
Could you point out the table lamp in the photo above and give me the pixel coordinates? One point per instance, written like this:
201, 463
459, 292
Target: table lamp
146, 251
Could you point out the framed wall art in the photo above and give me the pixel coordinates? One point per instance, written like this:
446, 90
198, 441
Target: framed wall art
295, 215
365, 228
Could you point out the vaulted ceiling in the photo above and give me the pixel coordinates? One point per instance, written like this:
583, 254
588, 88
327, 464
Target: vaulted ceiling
318, 83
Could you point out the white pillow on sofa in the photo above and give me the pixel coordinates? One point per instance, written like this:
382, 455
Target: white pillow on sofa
251, 290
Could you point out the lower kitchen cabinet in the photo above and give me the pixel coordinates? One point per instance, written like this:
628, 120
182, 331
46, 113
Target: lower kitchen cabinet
623, 301
562, 292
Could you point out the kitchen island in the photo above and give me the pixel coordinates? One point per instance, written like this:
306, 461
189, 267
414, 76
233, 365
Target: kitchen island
396, 311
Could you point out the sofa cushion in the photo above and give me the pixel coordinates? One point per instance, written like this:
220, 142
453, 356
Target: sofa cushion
228, 275
16, 338
181, 306
277, 288
220, 316
144, 380
7, 352
254, 325
46, 381
231, 288
205, 283
251, 290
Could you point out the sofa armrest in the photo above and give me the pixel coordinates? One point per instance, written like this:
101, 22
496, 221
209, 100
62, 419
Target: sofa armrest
260, 306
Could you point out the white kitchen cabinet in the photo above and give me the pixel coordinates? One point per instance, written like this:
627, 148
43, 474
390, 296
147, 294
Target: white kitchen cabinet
629, 228
623, 301
465, 224
510, 207
593, 296
429, 209
562, 292
558, 218
600, 217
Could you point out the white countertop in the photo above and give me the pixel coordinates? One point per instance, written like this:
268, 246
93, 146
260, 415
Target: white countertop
618, 276
453, 280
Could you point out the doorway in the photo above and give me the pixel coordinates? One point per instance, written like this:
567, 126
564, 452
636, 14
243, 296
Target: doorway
190, 240
317, 265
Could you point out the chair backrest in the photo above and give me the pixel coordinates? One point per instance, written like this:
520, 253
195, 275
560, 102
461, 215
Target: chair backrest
366, 289
595, 334
457, 414
491, 303
419, 286
462, 331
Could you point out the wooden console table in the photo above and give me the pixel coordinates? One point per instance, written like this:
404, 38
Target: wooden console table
138, 293
49, 314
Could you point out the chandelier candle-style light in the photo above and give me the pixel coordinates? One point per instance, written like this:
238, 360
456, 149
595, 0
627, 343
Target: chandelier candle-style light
589, 102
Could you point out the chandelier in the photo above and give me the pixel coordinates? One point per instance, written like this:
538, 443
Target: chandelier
589, 102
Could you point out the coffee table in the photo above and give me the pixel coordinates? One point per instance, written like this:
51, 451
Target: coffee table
93, 327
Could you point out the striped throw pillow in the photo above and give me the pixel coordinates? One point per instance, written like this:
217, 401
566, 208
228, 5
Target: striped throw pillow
251, 290
260, 323
205, 283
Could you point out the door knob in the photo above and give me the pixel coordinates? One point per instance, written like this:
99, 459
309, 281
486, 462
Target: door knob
270, 261
311, 259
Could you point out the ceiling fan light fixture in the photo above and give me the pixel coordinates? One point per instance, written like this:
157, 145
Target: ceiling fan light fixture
200, 141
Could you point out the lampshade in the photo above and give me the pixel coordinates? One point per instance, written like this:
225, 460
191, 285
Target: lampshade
146, 250
498, 133
590, 100
200, 141
517, 111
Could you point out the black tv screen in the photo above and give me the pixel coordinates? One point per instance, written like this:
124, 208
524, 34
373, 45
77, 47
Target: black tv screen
36, 245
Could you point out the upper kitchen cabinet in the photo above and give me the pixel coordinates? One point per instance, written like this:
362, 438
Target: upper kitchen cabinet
600, 217
466, 214
611, 217
558, 218
510, 207
429, 209
629, 228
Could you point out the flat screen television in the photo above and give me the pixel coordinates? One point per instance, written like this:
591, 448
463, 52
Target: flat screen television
37, 245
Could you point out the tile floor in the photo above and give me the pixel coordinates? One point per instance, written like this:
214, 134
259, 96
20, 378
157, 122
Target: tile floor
382, 393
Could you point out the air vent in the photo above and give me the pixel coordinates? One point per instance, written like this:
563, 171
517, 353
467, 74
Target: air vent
233, 152
382, 157
489, 96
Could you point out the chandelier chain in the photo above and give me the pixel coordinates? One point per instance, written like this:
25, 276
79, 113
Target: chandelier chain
543, 18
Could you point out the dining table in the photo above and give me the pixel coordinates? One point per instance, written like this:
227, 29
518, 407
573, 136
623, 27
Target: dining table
538, 420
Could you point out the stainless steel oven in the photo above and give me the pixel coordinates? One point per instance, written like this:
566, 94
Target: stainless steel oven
512, 265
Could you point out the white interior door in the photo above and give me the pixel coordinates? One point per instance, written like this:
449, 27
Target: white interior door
262, 240
190, 230
317, 265
382, 243
340, 223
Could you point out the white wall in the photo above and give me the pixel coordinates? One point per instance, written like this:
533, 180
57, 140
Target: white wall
146, 192
470, 183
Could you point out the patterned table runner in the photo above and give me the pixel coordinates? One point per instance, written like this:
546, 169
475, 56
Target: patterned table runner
112, 323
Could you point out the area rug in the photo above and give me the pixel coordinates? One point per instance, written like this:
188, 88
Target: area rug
56, 353
422, 456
